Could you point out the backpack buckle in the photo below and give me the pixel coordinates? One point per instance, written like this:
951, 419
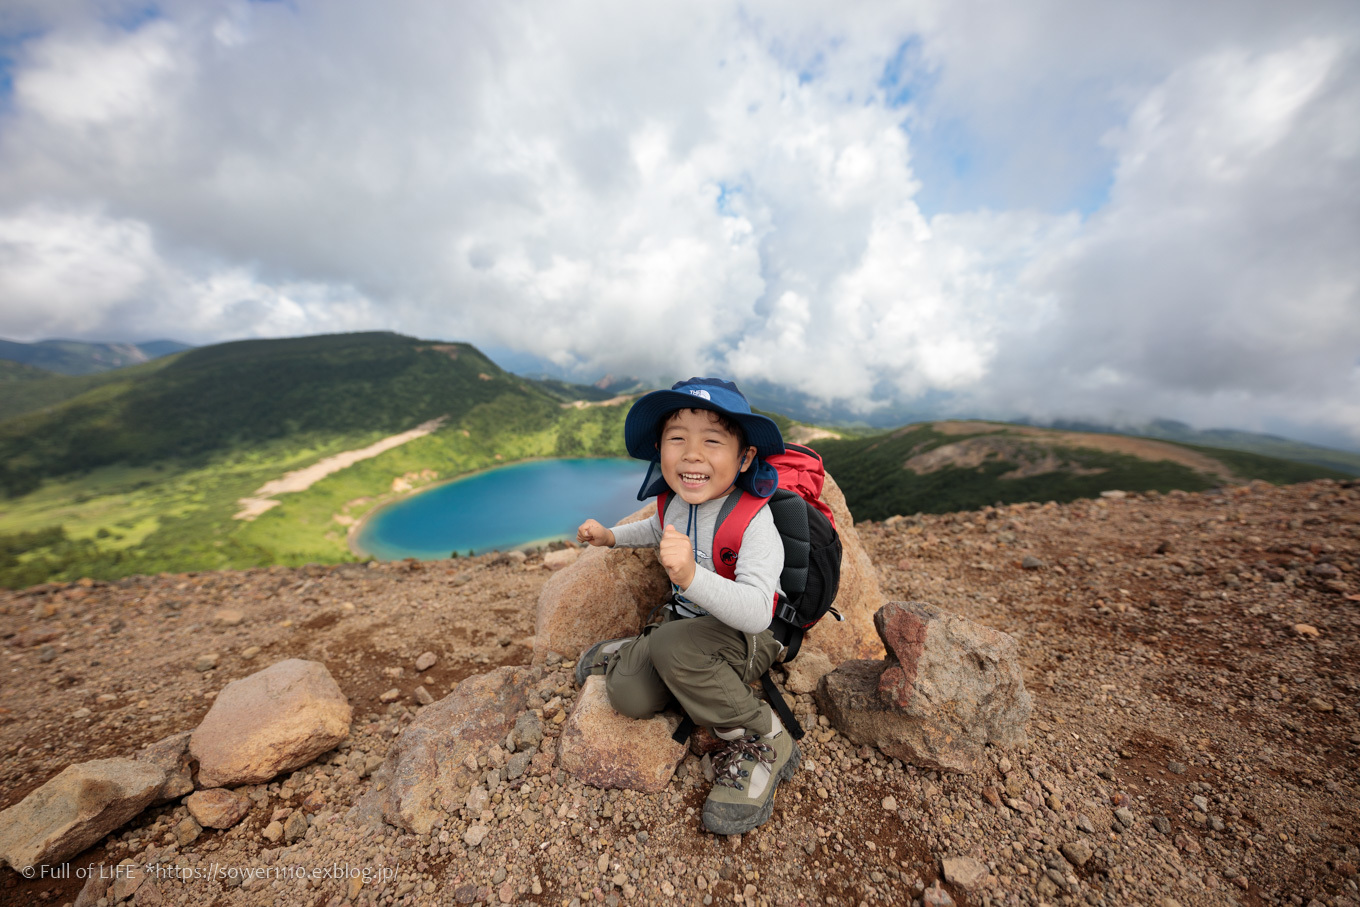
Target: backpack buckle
786, 612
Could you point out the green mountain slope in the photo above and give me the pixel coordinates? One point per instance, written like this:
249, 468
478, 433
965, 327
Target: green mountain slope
74, 357
26, 389
938, 467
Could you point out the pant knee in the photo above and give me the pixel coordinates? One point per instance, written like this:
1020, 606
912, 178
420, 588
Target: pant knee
630, 700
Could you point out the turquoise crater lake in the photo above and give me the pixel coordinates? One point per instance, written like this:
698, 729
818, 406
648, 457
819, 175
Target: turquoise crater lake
503, 508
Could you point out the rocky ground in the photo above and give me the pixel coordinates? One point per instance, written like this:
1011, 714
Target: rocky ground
1194, 662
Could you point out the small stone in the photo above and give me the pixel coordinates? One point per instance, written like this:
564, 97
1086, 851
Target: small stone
518, 764
187, 831
890, 804
965, 872
475, 835
1125, 816
1176, 768
229, 617
1306, 630
1031, 562
205, 662
250, 652
81, 713
273, 831
217, 807
422, 696
1162, 824
1320, 705
294, 827
391, 695
935, 896
1077, 852
426, 660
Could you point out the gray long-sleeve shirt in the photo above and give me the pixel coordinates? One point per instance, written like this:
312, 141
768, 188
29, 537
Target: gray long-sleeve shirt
744, 603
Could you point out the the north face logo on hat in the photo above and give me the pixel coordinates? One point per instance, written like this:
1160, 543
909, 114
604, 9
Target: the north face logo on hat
700, 393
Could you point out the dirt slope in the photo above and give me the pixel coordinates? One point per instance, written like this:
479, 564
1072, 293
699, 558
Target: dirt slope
1159, 642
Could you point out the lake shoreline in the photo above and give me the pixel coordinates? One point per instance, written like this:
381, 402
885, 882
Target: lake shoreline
391, 499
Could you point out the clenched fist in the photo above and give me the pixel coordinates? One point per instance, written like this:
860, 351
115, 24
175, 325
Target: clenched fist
677, 556
592, 532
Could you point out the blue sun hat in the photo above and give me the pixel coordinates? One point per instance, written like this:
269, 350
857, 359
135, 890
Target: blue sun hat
642, 428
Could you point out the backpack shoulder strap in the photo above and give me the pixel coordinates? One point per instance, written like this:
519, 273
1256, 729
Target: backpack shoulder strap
736, 514
661, 501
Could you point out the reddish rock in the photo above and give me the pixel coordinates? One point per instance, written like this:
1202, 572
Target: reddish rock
603, 594
217, 808
604, 749
948, 688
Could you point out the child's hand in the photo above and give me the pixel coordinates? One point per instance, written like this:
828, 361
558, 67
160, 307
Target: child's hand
677, 557
592, 533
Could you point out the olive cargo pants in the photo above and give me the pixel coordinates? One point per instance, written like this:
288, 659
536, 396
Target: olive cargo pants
703, 664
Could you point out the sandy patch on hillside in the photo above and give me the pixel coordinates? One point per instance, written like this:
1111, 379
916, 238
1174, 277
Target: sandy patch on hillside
302, 479
969, 454
612, 401
1138, 447
806, 434
1033, 459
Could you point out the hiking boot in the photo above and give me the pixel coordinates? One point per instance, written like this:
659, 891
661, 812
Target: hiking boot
746, 772
596, 658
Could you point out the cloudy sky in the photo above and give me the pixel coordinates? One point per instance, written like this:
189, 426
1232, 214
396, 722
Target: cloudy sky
1044, 209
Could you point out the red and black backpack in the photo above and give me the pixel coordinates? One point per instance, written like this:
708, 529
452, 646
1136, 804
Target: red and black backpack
812, 557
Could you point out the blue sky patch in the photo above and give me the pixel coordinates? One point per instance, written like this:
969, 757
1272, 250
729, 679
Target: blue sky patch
133, 17
903, 77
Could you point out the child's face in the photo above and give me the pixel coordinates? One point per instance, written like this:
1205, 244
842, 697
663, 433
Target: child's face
699, 457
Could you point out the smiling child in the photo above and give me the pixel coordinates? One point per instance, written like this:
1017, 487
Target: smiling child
706, 449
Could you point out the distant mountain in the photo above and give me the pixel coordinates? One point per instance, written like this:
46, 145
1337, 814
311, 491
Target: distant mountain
939, 467
1231, 439
74, 357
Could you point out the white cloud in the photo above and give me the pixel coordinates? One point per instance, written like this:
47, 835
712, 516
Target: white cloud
715, 188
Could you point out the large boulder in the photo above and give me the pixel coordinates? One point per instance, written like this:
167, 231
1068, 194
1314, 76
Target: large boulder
270, 722
433, 764
605, 593
608, 592
75, 809
605, 749
858, 598
947, 688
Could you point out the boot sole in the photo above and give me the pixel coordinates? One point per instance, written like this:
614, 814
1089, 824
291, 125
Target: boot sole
746, 820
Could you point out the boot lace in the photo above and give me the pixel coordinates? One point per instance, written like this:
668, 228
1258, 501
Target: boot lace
727, 761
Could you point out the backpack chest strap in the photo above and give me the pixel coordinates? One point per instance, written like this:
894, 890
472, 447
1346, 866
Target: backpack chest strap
733, 518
